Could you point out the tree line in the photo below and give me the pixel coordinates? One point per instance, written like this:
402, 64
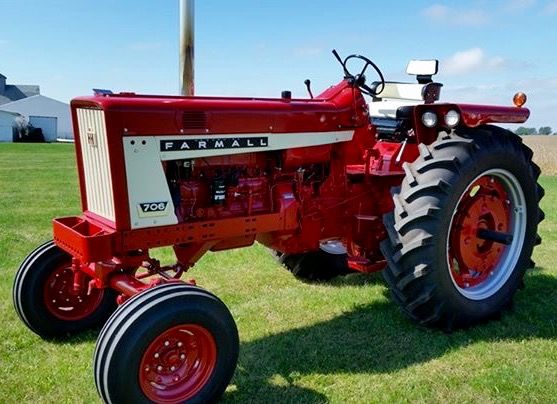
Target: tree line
544, 130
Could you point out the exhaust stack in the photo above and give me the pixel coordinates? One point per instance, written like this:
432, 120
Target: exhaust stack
187, 11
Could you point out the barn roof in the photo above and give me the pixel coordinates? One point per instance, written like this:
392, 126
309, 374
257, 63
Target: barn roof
10, 113
14, 92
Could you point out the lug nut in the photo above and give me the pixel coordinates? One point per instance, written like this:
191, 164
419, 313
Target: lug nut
166, 343
180, 344
159, 368
172, 368
157, 355
182, 356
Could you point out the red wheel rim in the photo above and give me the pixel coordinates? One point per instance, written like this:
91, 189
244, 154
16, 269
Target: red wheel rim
65, 303
177, 363
492, 204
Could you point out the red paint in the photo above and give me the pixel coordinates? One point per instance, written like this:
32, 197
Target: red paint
386, 158
294, 158
475, 115
177, 364
163, 115
83, 237
67, 301
472, 259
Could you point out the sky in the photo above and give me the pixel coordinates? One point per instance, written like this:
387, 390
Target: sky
488, 50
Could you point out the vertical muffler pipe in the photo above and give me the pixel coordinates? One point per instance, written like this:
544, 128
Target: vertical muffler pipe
187, 11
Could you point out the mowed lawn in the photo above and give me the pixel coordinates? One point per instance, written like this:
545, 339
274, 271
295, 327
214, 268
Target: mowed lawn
341, 342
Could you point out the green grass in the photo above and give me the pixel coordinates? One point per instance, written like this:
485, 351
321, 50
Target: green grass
300, 343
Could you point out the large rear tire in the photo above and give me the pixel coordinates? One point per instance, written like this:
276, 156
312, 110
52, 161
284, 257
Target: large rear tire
44, 298
464, 227
173, 343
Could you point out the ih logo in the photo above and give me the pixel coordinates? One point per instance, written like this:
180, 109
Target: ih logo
152, 209
91, 137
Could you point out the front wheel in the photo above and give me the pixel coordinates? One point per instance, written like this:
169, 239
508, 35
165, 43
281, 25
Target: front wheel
173, 343
45, 299
464, 227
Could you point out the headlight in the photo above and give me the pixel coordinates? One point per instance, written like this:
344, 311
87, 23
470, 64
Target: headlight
452, 118
429, 119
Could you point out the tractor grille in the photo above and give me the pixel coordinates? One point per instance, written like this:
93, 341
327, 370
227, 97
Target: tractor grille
96, 168
195, 120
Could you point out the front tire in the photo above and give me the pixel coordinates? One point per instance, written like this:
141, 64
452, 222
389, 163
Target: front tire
44, 299
173, 343
464, 227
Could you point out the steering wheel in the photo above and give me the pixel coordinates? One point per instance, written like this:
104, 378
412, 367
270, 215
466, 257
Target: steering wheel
360, 79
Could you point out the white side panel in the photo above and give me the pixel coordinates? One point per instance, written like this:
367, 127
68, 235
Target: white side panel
94, 151
145, 175
147, 184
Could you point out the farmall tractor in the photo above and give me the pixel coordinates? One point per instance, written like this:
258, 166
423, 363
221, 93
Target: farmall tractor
444, 203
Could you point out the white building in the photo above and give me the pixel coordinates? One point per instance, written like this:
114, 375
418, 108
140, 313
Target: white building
7, 125
52, 116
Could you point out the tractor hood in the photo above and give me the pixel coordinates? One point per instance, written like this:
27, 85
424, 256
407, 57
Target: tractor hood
155, 114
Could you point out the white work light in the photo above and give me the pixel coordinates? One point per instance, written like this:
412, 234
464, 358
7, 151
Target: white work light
429, 119
452, 118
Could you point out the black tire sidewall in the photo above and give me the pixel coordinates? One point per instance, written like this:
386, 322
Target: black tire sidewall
30, 295
193, 308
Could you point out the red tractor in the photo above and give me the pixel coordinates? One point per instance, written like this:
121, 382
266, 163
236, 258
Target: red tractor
444, 203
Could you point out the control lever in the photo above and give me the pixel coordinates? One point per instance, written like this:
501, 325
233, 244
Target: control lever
337, 56
307, 82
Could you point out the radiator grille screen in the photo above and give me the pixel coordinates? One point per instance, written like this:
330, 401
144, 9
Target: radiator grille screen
94, 152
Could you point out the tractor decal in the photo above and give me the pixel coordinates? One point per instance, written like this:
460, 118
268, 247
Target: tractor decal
213, 143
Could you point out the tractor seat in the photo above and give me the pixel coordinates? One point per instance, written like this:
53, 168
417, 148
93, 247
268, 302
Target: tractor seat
396, 94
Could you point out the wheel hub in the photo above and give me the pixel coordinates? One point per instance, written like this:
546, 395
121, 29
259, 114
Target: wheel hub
485, 230
177, 363
65, 302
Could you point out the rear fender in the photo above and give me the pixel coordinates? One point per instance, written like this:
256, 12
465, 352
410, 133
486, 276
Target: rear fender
471, 116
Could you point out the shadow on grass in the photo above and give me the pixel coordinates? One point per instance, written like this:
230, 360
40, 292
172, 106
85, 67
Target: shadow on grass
357, 279
375, 338
80, 338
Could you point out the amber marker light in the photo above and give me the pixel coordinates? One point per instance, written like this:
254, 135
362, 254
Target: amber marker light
519, 99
